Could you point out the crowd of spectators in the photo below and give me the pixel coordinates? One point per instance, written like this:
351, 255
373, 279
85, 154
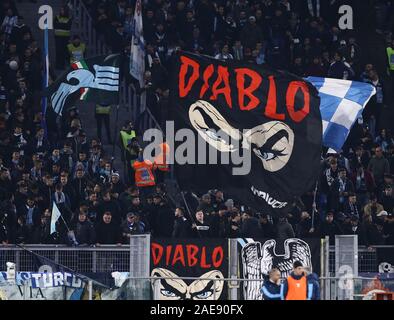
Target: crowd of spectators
39, 165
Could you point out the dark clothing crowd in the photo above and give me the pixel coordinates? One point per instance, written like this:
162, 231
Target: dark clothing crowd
47, 162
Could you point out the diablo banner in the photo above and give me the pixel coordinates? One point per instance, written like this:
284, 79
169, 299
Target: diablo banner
204, 259
261, 129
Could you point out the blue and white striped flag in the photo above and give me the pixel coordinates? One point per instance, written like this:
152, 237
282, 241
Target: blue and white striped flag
137, 50
342, 103
54, 217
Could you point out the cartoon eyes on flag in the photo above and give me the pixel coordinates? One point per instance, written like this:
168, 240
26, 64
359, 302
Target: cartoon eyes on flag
105, 78
271, 142
208, 287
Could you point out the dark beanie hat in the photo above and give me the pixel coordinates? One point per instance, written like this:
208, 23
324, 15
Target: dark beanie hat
297, 264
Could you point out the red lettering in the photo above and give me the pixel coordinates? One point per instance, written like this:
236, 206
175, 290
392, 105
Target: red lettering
191, 251
223, 77
248, 92
186, 63
179, 255
217, 257
168, 254
207, 75
270, 109
157, 252
204, 259
292, 90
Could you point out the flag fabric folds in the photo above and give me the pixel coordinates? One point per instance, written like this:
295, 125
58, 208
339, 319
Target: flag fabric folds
137, 50
274, 116
95, 79
54, 217
342, 103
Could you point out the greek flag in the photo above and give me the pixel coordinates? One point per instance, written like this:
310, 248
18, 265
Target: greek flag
137, 50
342, 103
54, 217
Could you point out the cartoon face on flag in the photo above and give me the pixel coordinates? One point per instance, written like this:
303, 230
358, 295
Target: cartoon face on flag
95, 79
247, 110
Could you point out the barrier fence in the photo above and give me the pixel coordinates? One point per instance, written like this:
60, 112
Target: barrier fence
133, 263
107, 258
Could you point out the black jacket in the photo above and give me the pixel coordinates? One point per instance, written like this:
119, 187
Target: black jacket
267, 230
108, 233
84, 232
182, 228
330, 230
251, 228
23, 211
113, 207
163, 221
202, 230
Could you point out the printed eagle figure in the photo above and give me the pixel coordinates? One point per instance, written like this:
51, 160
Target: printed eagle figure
259, 259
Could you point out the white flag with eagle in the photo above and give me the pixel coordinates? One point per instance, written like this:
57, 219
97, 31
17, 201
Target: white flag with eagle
137, 50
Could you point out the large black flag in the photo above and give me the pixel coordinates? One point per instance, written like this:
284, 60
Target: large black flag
94, 79
239, 108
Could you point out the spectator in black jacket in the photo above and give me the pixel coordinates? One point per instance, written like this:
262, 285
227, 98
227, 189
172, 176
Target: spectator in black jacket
355, 228
284, 230
250, 225
330, 228
200, 228
41, 233
22, 232
373, 236
111, 205
235, 225
162, 217
181, 224
387, 198
304, 228
107, 232
340, 189
267, 228
351, 208
132, 225
219, 222
30, 212
84, 229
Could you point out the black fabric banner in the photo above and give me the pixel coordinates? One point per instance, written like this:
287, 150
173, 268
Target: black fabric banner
385, 259
272, 116
95, 79
257, 257
199, 258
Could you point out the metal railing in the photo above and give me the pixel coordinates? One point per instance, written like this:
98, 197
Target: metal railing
367, 259
109, 257
106, 258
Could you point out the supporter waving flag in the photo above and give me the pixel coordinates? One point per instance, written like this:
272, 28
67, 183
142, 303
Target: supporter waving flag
342, 103
95, 79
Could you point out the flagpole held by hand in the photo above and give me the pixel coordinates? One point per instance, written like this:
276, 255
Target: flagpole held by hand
192, 220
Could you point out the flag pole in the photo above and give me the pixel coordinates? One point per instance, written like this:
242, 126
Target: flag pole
188, 211
116, 129
44, 100
61, 216
314, 204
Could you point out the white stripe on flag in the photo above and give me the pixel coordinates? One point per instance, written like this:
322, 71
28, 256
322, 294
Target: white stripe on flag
137, 51
54, 217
